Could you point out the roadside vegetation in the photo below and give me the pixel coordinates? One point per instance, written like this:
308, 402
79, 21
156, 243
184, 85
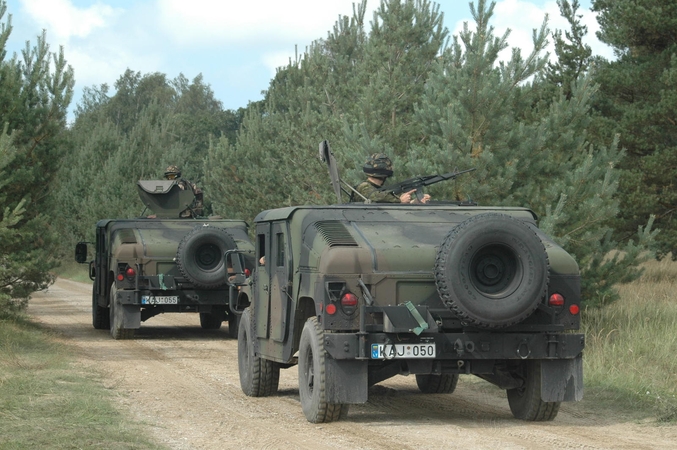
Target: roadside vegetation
48, 401
629, 359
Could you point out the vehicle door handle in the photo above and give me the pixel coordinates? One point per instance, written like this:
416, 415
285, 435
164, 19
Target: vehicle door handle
265, 287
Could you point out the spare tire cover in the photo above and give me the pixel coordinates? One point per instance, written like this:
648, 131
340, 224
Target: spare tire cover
492, 270
200, 256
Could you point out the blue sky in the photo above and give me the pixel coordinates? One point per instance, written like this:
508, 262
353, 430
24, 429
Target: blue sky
236, 45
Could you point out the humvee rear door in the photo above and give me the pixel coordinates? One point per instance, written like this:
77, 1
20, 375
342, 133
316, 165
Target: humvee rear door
262, 284
101, 266
279, 283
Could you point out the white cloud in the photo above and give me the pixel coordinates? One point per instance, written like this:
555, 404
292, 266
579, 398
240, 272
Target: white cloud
65, 21
260, 21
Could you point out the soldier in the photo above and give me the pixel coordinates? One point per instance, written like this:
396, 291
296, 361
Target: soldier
174, 173
379, 167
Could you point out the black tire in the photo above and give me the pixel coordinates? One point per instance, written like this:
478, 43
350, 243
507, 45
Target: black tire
437, 384
492, 270
525, 402
312, 381
233, 324
209, 321
199, 256
100, 314
117, 331
258, 377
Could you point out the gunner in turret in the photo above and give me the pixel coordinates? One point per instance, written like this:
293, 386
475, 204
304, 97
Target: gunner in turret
174, 173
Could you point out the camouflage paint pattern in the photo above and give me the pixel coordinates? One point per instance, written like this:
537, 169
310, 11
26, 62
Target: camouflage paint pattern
390, 248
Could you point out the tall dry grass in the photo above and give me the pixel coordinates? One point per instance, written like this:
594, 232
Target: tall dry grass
631, 345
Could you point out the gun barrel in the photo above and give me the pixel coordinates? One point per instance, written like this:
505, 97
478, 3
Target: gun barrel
419, 182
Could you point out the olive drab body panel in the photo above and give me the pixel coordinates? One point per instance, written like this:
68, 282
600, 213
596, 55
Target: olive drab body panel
354, 294
162, 263
376, 277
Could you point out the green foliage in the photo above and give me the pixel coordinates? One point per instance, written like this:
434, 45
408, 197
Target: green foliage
400, 87
35, 90
573, 56
149, 123
636, 333
529, 151
345, 88
638, 102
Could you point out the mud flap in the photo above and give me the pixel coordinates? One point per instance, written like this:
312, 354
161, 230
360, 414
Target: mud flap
131, 317
562, 380
131, 314
347, 381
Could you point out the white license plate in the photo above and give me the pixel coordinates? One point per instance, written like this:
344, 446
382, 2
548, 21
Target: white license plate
159, 300
390, 351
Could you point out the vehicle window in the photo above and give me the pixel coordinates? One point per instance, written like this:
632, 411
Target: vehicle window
280, 249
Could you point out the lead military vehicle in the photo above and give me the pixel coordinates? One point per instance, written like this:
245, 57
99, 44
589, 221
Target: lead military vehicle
162, 263
357, 293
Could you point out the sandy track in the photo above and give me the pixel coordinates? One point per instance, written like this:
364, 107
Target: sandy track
182, 383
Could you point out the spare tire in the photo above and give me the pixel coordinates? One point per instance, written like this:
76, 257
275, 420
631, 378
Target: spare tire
200, 256
492, 270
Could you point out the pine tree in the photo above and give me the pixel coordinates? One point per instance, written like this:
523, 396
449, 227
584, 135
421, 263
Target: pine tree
35, 90
573, 56
638, 102
355, 88
478, 112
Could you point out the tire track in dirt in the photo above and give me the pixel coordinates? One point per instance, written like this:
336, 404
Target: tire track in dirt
182, 382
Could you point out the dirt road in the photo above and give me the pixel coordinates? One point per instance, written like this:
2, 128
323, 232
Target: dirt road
182, 383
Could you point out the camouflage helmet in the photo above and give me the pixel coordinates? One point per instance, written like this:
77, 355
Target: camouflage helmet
173, 170
378, 165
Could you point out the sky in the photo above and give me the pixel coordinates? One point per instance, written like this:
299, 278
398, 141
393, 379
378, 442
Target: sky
236, 45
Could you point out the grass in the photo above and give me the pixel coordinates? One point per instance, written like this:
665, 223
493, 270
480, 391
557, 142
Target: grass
631, 346
48, 402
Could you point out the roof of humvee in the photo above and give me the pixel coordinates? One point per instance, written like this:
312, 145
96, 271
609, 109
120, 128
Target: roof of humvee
331, 210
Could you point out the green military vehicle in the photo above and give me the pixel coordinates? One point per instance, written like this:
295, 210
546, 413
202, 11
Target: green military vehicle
162, 263
357, 293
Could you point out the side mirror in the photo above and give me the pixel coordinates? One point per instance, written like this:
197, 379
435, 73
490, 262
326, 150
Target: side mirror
81, 252
236, 275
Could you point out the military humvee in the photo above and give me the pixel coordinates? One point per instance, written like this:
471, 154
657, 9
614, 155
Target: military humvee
357, 293
162, 263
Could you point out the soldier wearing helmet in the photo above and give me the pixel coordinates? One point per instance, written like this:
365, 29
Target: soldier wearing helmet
377, 168
174, 173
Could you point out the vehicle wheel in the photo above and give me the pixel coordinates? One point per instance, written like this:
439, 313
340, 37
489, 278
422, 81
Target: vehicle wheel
492, 270
200, 256
209, 321
525, 402
312, 381
437, 384
100, 315
258, 377
233, 325
117, 331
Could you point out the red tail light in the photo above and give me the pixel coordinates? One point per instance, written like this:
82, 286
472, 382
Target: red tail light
331, 309
349, 299
247, 273
130, 272
120, 277
574, 309
556, 300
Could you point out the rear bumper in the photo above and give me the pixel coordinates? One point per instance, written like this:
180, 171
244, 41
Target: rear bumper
351, 366
462, 346
186, 299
